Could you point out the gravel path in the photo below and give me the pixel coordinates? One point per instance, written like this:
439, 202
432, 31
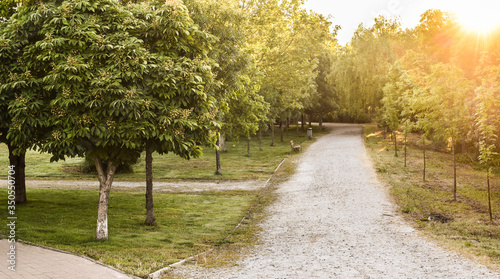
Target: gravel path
333, 219
158, 186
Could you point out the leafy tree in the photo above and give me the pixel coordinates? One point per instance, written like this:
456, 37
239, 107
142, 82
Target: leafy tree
487, 122
285, 40
7, 8
448, 84
323, 101
13, 72
228, 23
487, 117
247, 111
437, 31
391, 111
103, 92
176, 119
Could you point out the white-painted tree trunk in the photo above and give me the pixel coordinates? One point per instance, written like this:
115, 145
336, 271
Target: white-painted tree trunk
105, 182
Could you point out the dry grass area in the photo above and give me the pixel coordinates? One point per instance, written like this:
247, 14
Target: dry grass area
462, 225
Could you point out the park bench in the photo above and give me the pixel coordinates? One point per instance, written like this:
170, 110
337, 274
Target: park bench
295, 147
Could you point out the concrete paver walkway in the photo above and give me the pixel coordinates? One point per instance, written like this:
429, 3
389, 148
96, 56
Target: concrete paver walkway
34, 262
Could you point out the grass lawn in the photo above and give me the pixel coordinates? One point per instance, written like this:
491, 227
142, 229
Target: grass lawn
236, 164
461, 225
187, 223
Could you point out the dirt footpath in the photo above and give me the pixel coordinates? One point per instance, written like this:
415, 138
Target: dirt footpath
333, 219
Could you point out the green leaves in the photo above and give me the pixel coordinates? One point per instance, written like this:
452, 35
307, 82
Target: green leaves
104, 83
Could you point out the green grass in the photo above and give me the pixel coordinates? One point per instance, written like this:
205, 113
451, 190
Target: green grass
236, 164
461, 225
187, 225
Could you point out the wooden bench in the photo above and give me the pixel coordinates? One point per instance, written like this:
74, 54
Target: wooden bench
295, 147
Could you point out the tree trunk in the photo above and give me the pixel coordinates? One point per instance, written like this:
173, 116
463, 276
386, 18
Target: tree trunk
282, 131
218, 169
272, 134
406, 147
310, 120
454, 169
150, 214
222, 143
395, 144
287, 127
105, 182
260, 139
424, 161
19, 163
321, 122
297, 127
248, 146
302, 122
489, 194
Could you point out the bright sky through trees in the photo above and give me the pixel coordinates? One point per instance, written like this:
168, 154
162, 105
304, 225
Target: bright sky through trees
479, 18
478, 15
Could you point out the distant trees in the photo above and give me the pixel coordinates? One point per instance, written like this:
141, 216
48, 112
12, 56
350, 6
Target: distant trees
359, 72
432, 81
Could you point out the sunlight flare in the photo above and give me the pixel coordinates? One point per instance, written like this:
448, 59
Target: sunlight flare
479, 18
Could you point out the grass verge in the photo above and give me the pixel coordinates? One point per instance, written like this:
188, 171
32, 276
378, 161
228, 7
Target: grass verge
461, 225
187, 225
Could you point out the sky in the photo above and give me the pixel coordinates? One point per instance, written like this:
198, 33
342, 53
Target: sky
350, 13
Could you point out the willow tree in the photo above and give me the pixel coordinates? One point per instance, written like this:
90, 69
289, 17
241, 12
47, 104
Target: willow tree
360, 68
103, 91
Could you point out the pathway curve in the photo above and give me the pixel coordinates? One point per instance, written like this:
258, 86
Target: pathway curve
33, 262
333, 219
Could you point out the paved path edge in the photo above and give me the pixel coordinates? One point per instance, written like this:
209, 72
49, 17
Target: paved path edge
25, 242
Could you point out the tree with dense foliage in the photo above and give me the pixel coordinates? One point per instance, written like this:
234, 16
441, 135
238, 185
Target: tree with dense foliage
7, 8
488, 117
105, 93
323, 101
285, 41
233, 85
390, 112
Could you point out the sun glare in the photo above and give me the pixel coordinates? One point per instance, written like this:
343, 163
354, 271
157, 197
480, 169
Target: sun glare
479, 18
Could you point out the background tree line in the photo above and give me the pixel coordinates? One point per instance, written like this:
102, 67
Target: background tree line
437, 80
